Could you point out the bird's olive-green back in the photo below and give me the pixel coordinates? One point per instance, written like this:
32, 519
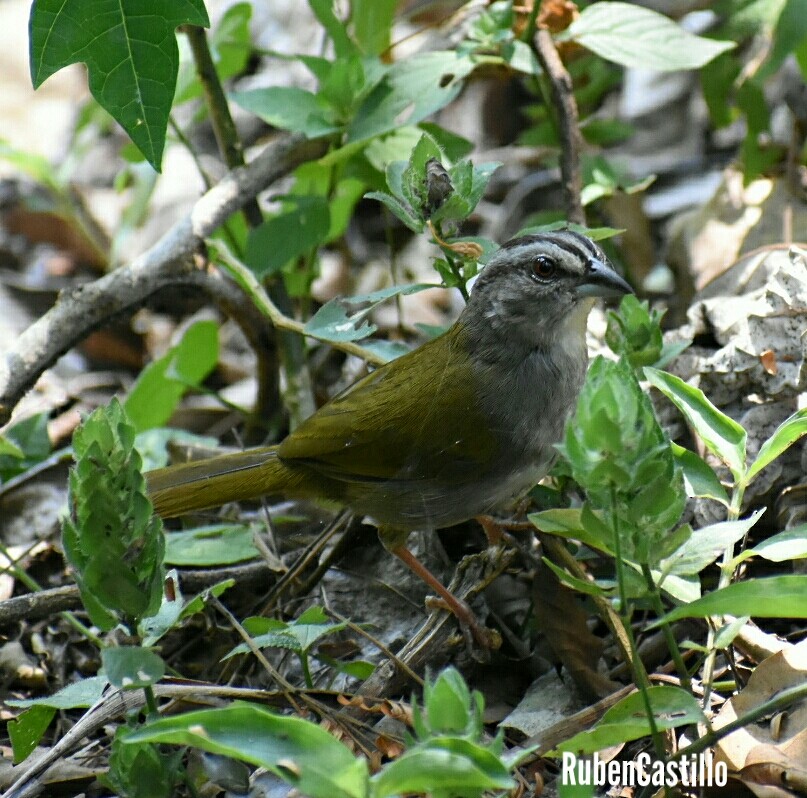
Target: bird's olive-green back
416, 418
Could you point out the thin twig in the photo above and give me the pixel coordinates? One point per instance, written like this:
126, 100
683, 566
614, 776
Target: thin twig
571, 140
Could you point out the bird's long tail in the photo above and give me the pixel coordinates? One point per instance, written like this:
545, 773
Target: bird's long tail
199, 485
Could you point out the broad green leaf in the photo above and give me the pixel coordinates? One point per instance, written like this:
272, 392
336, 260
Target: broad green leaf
293, 232
724, 436
771, 597
626, 720
24, 445
705, 545
132, 667
412, 90
371, 21
443, 766
345, 318
299, 635
218, 544
785, 435
161, 385
297, 751
26, 730
789, 545
78, 695
637, 37
130, 49
289, 108
568, 523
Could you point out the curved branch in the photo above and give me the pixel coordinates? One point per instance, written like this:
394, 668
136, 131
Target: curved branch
78, 312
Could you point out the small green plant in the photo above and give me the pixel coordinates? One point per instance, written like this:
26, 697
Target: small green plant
447, 757
298, 636
635, 483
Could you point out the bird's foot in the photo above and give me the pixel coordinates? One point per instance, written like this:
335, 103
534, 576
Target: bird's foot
486, 638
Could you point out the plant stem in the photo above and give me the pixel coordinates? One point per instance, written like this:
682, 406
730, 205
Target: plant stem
666, 629
784, 698
723, 581
249, 283
298, 398
639, 672
151, 702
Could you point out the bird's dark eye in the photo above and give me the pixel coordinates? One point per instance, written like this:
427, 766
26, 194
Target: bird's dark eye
544, 267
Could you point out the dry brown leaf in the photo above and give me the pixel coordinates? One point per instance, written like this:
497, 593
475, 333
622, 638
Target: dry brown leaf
768, 756
564, 624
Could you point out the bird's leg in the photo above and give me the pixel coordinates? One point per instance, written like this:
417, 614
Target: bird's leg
394, 542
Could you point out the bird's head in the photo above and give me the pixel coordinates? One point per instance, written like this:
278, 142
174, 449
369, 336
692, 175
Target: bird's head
537, 287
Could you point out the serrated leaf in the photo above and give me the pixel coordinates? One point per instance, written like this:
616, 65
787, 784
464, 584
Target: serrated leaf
131, 53
297, 751
638, 37
721, 434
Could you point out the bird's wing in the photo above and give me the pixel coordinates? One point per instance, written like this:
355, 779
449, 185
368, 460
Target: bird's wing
414, 418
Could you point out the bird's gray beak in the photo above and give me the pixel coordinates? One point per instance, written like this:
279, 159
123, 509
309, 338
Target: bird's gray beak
601, 280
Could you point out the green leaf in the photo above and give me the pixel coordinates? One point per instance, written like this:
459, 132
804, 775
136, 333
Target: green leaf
161, 385
345, 318
323, 11
26, 730
298, 636
132, 667
568, 523
721, 434
785, 435
289, 108
131, 54
297, 751
79, 695
699, 478
637, 37
445, 766
726, 633
207, 546
771, 597
705, 545
412, 90
24, 445
788, 545
371, 21
298, 229
626, 720
397, 209
594, 233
